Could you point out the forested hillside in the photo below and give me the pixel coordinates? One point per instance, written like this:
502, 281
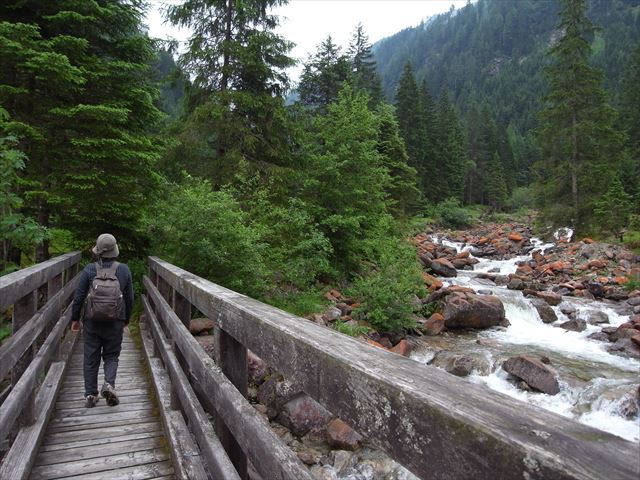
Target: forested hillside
492, 52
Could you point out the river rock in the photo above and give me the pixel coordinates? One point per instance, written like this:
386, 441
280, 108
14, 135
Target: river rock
302, 414
443, 267
551, 298
324, 472
473, 311
568, 309
575, 325
547, 315
257, 369
534, 372
200, 326
332, 314
595, 317
461, 365
515, 284
402, 348
434, 325
634, 301
342, 436
600, 336
275, 393
625, 347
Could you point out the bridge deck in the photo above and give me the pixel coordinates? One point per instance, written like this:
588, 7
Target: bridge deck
121, 442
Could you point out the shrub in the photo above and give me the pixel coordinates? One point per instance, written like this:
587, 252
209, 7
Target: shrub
351, 330
452, 215
386, 290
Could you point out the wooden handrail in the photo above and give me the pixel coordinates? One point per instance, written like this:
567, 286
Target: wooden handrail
270, 456
435, 424
17, 285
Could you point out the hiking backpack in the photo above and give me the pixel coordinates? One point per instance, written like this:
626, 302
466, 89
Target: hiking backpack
105, 300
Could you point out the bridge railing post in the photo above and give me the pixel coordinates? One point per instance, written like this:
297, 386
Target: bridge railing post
231, 357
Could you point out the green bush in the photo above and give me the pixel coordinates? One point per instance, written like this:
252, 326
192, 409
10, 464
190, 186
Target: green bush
386, 290
521, 198
351, 330
206, 233
451, 214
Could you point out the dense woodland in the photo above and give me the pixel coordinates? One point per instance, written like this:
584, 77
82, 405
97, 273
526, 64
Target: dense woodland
199, 159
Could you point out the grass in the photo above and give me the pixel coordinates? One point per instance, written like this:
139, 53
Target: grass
351, 330
5, 332
300, 303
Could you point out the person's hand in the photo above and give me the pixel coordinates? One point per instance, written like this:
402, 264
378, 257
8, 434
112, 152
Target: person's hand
75, 326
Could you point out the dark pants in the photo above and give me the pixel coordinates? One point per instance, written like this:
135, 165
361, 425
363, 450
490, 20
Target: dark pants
101, 339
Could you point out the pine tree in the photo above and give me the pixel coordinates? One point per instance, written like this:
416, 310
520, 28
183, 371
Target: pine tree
630, 121
76, 80
612, 210
363, 66
496, 187
450, 154
237, 63
402, 188
323, 76
408, 114
427, 134
580, 148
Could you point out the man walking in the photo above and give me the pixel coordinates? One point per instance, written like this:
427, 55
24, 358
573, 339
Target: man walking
106, 292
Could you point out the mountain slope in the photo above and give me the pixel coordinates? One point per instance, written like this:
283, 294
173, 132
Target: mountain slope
493, 52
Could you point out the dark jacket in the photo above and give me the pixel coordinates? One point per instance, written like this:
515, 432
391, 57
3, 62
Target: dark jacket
87, 276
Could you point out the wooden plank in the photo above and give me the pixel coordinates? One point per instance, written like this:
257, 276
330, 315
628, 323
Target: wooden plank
106, 418
218, 463
104, 410
101, 441
141, 426
17, 284
269, 455
78, 403
98, 451
21, 392
184, 452
73, 393
19, 460
412, 411
73, 428
149, 471
25, 308
104, 464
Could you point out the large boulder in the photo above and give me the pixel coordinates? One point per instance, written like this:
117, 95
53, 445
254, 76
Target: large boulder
535, 373
575, 325
544, 310
275, 393
595, 317
200, 326
443, 267
461, 365
473, 311
303, 414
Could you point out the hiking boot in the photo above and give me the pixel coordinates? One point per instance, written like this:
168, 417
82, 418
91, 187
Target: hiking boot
109, 393
90, 401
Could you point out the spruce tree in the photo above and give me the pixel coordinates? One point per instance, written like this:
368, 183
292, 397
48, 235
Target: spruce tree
450, 154
630, 121
323, 76
427, 134
496, 187
76, 81
237, 63
408, 114
580, 148
363, 66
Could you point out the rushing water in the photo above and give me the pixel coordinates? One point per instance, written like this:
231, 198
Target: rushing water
594, 384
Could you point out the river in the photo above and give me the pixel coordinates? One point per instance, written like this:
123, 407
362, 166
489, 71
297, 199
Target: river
594, 384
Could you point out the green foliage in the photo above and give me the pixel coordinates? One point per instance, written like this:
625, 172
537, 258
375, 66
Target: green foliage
363, 66
299, 302
17, 231
521, 198
580, 147
388, 286
5, 332
351, 330
613, 209
451, 214
496, 187
206, 233
632, 284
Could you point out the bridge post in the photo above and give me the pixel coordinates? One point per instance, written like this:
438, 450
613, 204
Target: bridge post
231, 357
182, 307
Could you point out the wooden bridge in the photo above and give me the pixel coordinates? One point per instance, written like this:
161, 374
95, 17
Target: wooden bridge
183, 415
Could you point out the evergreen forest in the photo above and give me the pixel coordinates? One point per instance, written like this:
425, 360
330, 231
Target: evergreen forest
197, 157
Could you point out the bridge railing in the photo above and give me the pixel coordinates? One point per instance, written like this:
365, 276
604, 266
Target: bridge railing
33, 359
435, 424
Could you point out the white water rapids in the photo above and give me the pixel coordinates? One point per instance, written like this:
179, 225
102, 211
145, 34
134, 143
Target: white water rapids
593, 382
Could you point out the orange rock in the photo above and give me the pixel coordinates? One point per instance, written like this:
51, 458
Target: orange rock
463, 254
603, 280
515, 237
342, 436
402, 348
587, 240
482, 240
375, 344
596, 264
434, 324
432, 282
524, 270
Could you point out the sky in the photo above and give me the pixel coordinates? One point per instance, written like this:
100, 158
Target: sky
308, 22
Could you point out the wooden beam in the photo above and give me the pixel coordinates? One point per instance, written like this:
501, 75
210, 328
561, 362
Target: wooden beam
15, 402
435, 424
187, 461
17, 284
17, 344
19, 460
267, 453
217, 461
